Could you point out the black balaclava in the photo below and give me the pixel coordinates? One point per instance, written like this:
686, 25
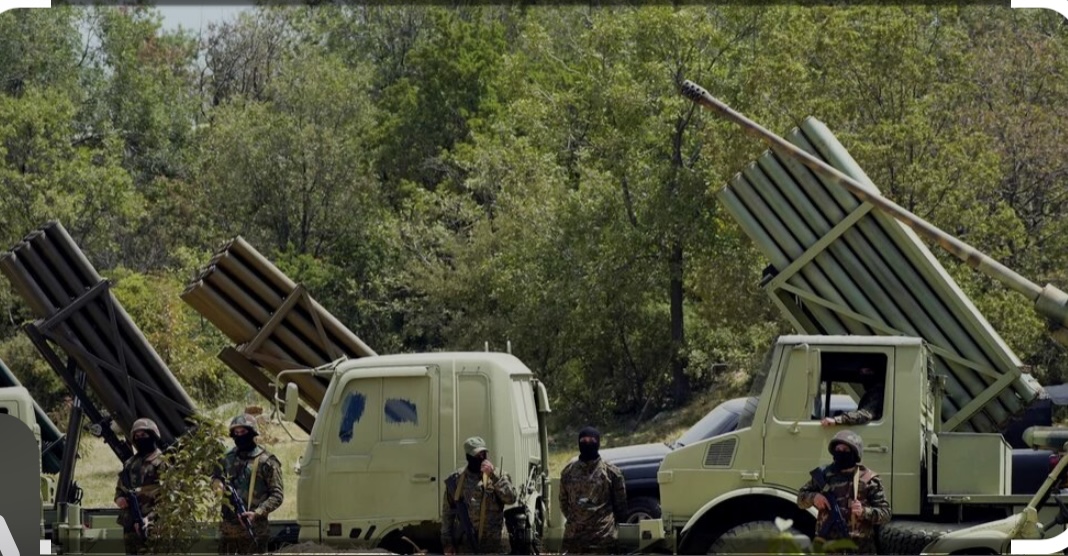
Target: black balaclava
146, 444
588, 450
846, 459
245, 442
474, 463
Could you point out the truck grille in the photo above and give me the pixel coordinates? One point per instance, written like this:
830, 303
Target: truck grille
720, 454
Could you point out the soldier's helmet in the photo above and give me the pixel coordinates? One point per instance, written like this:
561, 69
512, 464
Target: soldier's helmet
849, 438
145, 424
247, 421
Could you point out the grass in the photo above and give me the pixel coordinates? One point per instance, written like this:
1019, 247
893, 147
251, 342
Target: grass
98, 468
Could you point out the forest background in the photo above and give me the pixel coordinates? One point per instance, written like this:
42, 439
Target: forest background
442, 177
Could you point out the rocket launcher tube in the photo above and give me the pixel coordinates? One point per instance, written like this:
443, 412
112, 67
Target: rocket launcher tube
1049, 301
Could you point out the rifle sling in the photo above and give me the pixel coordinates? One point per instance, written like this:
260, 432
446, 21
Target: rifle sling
252, 481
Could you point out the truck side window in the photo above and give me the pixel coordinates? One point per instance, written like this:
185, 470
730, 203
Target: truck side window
852, 387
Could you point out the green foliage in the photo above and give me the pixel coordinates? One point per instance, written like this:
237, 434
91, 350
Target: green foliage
785, 543
444, 177
174, 329
187, 498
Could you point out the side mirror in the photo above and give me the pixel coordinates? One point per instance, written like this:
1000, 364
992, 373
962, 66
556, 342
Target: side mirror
292, 394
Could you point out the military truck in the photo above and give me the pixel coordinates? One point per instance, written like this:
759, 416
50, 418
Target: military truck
850, 273
385, 431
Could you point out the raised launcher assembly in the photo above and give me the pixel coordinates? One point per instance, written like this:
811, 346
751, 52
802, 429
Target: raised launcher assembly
277, 325
842, 268
106, 351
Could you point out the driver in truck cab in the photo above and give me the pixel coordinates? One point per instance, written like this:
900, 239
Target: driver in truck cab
870, 406
848, 497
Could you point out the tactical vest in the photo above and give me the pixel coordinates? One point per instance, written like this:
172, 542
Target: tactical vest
242, 472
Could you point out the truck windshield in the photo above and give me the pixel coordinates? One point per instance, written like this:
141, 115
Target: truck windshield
718, 421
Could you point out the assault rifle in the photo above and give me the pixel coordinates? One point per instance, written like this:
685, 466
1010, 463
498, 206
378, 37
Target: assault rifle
134, 506
460, 505
239, 508
837, 521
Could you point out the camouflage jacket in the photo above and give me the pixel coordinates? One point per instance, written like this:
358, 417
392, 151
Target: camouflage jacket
140, 475
467, 485
238, 468
838, 488
869, 407
593, 499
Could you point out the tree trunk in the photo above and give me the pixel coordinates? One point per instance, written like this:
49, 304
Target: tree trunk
680, 380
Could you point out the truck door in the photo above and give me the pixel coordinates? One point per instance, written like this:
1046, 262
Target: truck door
795, 440
382, 465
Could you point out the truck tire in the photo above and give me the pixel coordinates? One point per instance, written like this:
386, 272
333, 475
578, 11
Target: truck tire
910, 537
756, 537
642, 507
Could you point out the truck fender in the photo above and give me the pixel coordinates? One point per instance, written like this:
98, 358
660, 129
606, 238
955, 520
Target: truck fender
994, 541
994, 536
764, 491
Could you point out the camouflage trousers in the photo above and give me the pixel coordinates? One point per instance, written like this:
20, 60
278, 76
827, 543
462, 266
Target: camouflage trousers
133, 543
234, 538
579, 545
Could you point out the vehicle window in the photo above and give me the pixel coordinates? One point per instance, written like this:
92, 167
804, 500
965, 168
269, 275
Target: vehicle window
851, 374
718, 421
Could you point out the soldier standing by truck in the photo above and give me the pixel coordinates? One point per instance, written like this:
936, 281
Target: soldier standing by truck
848, 496
252, 478
593, 499
138, 484
472, 515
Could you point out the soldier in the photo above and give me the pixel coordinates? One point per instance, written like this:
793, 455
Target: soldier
475, 497
593, 499
870, 406
848, 496
139, 480
256, 476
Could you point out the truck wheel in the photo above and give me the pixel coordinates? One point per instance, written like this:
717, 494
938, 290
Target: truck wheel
642, 507
910, 537
757, 537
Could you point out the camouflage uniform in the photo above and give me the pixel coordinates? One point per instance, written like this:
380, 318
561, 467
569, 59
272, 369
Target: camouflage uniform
593, 499
238, 469
838, 489
140, 474
869, 407
485, 507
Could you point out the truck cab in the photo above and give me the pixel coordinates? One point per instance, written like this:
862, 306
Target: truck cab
391, 430
752, 475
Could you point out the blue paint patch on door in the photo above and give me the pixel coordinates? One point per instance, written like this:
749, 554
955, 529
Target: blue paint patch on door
401, 411
353, 411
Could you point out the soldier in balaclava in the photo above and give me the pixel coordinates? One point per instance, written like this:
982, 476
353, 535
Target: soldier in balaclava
138, 485
255, 476
472, 514
593, 499
848, 497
